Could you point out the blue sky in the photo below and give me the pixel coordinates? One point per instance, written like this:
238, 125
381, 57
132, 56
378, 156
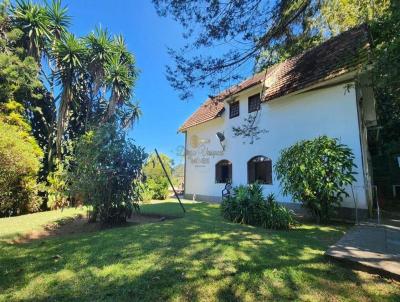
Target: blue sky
147, 36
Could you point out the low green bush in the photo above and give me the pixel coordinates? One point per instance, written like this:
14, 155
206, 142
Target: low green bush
276, 216
247, 205
156, 180
142, 192
146, 195
20, 162
159, 187
57, 187
151, 189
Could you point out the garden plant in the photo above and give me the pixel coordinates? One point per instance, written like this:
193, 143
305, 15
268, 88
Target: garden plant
247, 205
317, 173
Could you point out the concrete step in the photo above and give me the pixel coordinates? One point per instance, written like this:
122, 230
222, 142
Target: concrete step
371, 247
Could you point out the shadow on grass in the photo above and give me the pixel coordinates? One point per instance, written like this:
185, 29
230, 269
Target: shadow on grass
199, 257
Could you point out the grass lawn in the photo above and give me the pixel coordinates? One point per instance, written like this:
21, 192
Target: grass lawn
198, 257
11, 228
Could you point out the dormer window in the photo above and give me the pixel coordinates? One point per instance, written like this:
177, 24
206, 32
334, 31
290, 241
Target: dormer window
234, 109
254, 103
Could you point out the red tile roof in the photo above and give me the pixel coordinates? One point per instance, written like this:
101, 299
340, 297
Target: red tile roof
332, 58
214, 107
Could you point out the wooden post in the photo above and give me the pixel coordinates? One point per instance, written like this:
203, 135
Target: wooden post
170, 182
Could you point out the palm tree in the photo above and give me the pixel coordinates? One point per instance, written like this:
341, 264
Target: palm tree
120, 76
58, 17
100, 50
119, 82
126, 56
130, 114
69, 53
33, 20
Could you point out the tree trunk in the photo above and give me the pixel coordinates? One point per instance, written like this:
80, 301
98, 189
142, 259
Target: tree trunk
62, 116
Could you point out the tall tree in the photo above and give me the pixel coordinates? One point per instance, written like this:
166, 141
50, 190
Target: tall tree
20, 154
385, 35
41, 27
258, 32
100, 50
245, 28
58, 17
129, 114
120, 76
33, 20
69, 53
65, 85
337, 16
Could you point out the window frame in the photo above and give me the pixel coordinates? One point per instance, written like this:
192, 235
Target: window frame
231, 114
250, 108
218, 178
252, 177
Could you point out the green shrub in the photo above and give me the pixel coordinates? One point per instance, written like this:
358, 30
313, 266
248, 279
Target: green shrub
159, 187
315, 172
247, 205
57, 187
146, 195
20, 157
156, 180
276, 216
106, 165
142, 192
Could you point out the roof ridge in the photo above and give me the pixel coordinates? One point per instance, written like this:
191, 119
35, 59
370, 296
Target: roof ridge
330, 40
334, 38
338, 55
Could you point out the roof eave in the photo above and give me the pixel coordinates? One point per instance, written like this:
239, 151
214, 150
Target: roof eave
184, 129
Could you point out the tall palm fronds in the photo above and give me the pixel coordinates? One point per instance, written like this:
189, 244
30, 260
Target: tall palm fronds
100, 49
91, 70
120, 76
126, 56
70, 55
33, 20
59, 20
119, 81
130, 114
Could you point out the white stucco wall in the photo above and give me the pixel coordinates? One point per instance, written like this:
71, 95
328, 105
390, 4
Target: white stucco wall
329, 111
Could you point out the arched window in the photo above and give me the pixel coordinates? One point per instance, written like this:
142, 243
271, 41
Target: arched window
223, 171
259, 169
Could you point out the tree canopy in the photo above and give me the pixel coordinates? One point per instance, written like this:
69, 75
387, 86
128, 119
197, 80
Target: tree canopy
254, 32
56, 86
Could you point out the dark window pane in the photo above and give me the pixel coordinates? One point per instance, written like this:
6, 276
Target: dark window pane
234, 109
254, 103
261, 172
251, 174
259, 169
223, 171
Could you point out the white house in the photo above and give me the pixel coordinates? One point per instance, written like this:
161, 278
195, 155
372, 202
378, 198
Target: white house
320, 92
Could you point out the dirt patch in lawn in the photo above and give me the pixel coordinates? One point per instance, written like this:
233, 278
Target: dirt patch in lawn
80, 224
